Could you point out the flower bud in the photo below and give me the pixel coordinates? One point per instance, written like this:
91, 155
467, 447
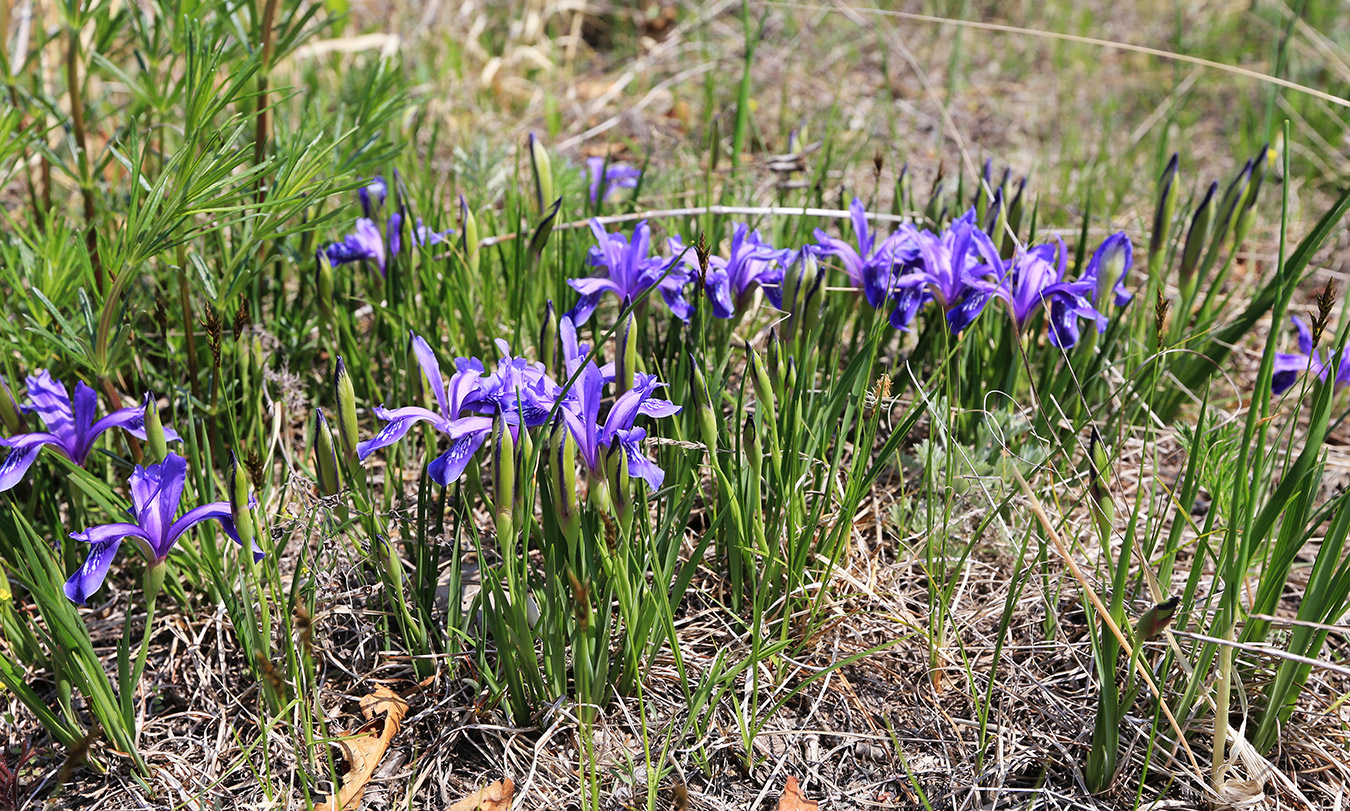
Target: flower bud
10, 415
775, 364
548, 343
156, 449
620, 485
1156, 619
790, 375
543, 175
324, 279
707, 415
346, 409
1113, 261
325, 458
625, 367
563, 475
503, 475
1163, 212
469, 240
240, 511
754, 453
1195, 240
1099, 490
763, 385
800, 285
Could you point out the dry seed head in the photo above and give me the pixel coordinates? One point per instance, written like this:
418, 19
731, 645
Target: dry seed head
1160, 308
211, 323
1326, 300
242, 318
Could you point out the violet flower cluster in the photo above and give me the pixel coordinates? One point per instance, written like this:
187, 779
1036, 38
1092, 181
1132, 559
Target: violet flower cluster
958, 270
156, 489
367, 243
525, 396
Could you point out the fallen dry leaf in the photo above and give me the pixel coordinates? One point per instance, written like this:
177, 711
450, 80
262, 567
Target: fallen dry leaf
493, 797
793, 799
366, 747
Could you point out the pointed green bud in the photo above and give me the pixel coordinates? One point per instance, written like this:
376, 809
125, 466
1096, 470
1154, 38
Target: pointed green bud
1258, 178
706, 413
503, 475
620, 486
324, 280
563, 475
801, 283
698, 385
469, 239
626, 367
1099, 487
240, 509
1195, 240
790, 375
548, 343
763, 385
10, 415
543, 175
346, 409
1164, 211
155, 447
754, 452
1156, 619
775, 363
325, 457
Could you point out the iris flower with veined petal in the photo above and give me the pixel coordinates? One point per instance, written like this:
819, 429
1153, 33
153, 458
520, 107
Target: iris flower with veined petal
607, 177
71, 427
732, 279
581, 413
156, 492
871, 265
519, 389
1033, 279
630, 271
452, 397
1289, 365
948, 269
1114, 252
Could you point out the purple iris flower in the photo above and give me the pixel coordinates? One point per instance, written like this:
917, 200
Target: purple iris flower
366, 243
373, 195
871, 264
1288, 366
630, 272
607, 177
156, 492
1108, 267
1035, 278
71, 427
955, 268
452, 397
518, 389
732, 279
581, 413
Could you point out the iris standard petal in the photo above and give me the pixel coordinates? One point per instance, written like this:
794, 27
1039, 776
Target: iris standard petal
431, 369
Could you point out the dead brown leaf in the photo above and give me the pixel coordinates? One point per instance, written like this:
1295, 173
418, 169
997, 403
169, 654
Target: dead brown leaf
384, 710
794, 800
493, 797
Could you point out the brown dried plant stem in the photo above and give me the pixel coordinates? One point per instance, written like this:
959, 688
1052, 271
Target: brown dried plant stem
260, 133
86, 179
1126, 644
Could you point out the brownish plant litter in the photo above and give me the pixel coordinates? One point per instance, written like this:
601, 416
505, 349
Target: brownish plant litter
384, 710
793, 799
493, 797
